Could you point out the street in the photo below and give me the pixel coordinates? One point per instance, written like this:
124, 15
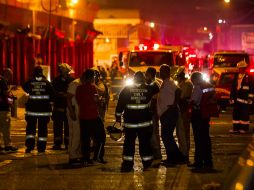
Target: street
51, 170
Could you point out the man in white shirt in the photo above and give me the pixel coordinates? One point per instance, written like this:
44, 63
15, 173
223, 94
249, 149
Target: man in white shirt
168, 112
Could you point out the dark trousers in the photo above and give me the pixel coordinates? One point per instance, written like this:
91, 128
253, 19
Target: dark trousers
31, 132
92, 129
203, 147
241, 116
168, 124
144, 135
60, 128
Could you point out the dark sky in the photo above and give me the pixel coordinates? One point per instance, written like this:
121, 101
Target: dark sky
185, 11
186, 16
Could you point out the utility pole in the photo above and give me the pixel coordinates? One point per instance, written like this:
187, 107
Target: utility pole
51, 8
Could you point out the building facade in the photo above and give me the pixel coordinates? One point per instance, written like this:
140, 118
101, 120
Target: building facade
57, 31
122, 29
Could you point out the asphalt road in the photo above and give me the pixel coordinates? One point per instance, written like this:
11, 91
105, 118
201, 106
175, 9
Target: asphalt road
51, 170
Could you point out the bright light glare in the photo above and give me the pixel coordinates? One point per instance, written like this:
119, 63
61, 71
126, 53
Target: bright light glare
210, 36
107, 40
156, 46
227, 1
205, 77
74, 2
222, 21
152, 25
129, 82
239, 186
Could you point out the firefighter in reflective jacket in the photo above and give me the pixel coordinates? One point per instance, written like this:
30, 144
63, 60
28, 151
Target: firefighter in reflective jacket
134, 105
59, 117
241, 96
38, 108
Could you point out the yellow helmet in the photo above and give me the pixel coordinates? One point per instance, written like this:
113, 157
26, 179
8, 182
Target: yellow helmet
242, 64
64, 68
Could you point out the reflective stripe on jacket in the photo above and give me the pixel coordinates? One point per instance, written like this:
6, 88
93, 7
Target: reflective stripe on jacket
134, 105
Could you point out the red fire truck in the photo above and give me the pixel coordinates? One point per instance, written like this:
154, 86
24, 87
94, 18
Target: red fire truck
145, 56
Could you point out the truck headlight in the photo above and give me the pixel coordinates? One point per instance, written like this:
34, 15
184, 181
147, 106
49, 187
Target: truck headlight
205, 77
129, 82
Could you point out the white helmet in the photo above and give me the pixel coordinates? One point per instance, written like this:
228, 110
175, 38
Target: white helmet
242, 64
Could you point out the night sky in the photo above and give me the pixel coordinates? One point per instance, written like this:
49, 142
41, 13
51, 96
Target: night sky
186, 16
197, 12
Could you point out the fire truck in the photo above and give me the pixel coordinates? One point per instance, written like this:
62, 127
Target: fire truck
222, 70
145, 56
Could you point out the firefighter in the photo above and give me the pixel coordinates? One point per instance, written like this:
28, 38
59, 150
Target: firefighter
134, 105
242, 97
59, 117
103, 93
38, 108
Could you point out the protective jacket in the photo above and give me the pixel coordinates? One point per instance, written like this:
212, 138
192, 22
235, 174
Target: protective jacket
245, 93
208, 103
41, 95
60, 85
134, 103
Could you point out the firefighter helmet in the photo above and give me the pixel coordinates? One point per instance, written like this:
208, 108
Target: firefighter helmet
114, 132
241, 64
64, 68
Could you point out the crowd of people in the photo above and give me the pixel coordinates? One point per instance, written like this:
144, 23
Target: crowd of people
177, 107
77, 108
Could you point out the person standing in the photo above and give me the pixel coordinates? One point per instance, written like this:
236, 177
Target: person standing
103, 93
168, 112
204, 105
134, 106
59, 117
38, 108
74, 147
151, 80
183, 123
5, 115
91, 125
242, 94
